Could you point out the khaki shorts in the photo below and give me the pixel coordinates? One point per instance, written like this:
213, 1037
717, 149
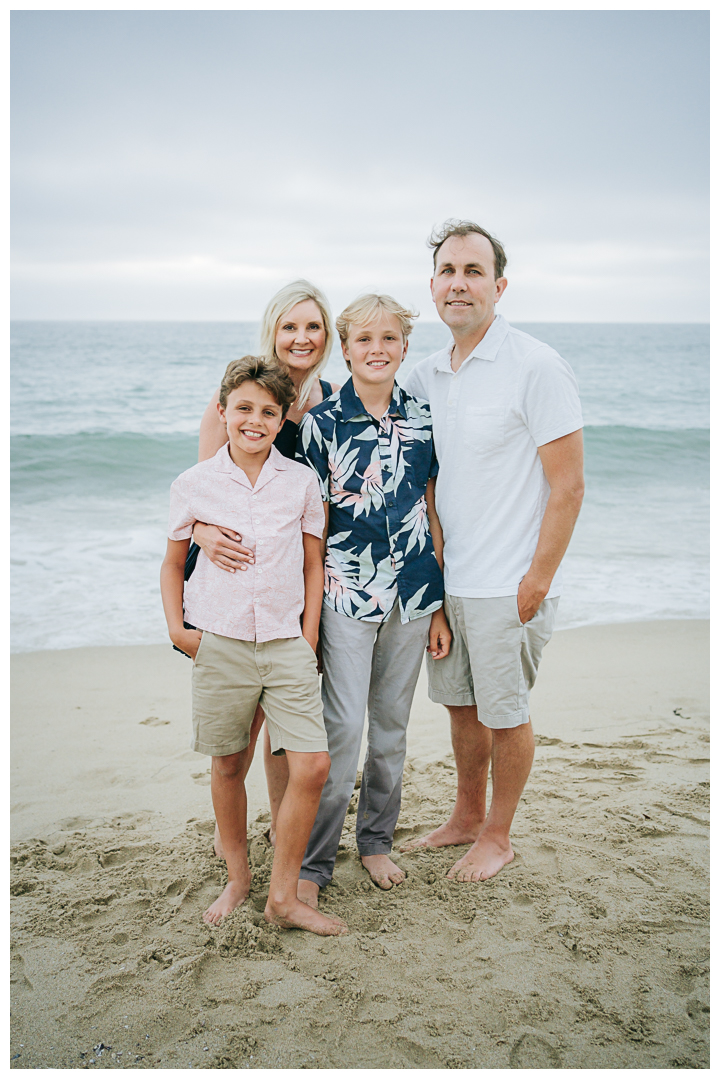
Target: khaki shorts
230, 677
494, 658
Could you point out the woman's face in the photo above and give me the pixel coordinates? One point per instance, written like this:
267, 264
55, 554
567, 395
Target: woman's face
300, 336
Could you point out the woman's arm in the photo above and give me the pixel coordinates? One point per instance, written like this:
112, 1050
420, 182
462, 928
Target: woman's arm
172, 580
222, 546
213, 433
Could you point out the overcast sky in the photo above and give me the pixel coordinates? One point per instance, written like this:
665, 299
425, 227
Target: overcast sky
184, 165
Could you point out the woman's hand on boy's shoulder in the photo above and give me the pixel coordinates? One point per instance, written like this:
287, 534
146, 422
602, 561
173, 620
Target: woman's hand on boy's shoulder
440, 635
187, 641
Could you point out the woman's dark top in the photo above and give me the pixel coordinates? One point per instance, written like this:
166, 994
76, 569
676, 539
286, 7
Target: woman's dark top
287, 435
285, 442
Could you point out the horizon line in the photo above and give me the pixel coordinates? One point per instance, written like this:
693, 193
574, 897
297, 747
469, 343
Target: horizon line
431, 322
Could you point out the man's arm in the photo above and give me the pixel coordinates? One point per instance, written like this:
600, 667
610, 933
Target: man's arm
314, 572
562, 462
434, 521
172, 580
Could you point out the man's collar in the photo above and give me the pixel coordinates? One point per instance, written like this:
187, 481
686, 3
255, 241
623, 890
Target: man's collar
486, 349
352, 408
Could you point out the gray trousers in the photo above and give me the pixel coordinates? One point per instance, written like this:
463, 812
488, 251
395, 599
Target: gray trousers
373, 666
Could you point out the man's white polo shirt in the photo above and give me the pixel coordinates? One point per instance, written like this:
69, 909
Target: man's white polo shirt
513, 394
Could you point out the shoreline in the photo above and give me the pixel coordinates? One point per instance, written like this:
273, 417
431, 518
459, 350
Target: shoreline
141, 693
558, 630
545, 966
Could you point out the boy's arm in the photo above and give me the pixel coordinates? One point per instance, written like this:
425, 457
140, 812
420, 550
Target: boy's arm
314, 573
440, 635
172, 581
434, 521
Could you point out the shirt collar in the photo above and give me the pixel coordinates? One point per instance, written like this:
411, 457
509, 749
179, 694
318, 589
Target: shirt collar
352, 408
487, 349
274, 463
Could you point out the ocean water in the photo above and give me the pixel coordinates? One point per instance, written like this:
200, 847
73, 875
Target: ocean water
105, 416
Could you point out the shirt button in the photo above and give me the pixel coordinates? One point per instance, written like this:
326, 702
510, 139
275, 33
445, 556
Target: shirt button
260, 570
259, 541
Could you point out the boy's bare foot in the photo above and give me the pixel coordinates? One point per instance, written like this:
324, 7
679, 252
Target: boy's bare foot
484, 859
217, 843
382, 870
451, 834
234, 893
299, 916
307, 892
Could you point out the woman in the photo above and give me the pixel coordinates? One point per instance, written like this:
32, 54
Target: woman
296, 329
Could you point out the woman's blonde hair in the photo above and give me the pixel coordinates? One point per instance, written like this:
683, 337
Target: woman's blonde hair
366, 309
277, 309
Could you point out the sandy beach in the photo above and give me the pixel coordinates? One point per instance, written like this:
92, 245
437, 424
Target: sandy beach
590, 950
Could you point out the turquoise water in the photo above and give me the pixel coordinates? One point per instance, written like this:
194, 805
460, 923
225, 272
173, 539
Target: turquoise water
105, 415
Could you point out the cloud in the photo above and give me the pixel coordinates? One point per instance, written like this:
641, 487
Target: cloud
185, 164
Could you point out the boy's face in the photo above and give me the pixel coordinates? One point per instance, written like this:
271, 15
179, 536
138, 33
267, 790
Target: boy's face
253, 418
375, 351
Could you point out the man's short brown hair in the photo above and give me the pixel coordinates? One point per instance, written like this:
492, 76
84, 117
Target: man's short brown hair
456, 227
266, 373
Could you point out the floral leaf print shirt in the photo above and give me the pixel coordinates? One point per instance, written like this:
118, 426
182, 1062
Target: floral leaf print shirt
374, 473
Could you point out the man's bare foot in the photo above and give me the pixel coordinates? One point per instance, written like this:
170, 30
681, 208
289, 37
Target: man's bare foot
484, 859
382, 870
234, 893
308, 892
299, 916
448, 835
217, 843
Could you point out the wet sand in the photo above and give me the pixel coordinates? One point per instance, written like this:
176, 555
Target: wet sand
589, 951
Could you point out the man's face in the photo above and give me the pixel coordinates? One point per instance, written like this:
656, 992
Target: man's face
464, 287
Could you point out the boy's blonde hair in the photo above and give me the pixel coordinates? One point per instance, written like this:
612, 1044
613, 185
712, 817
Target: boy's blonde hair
369, 307
269, 374
275, 312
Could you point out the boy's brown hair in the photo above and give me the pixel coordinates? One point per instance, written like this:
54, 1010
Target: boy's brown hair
266, 373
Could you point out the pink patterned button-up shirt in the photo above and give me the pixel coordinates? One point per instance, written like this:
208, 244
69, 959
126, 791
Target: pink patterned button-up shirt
265, 601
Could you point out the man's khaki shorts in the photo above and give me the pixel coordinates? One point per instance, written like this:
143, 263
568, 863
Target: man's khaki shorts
494, 658
230, 677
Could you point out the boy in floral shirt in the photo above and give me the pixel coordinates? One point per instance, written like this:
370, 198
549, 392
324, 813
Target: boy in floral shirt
370, 445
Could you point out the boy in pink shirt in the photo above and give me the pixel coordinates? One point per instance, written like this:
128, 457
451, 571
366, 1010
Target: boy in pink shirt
246, 640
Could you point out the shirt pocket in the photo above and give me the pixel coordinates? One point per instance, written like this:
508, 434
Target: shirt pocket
484, 429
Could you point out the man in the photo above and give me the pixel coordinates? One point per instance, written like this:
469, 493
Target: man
507, 427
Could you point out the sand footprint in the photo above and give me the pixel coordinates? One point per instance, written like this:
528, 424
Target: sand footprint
533, 1052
